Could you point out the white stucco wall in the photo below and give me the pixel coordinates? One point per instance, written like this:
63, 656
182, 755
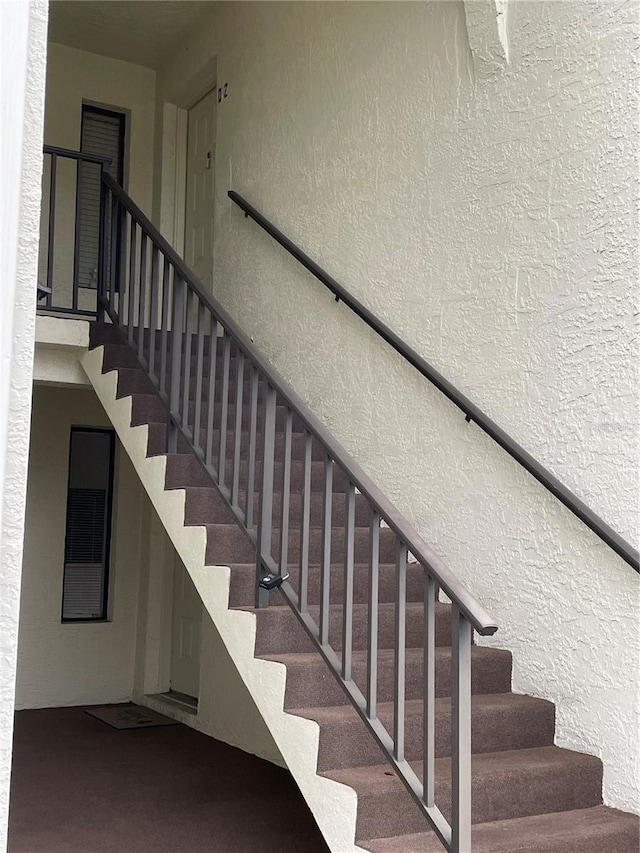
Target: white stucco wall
73, 664
475, 187
22, 73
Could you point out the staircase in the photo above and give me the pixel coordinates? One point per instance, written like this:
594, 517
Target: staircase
402, 734
527, 794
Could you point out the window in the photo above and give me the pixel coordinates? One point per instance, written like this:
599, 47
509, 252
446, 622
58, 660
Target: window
88, 528
102, 134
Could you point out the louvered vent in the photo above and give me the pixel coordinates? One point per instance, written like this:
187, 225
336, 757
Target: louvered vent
102, 134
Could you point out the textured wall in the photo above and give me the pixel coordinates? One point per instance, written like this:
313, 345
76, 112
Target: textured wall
73, 664
22, 72
475, 187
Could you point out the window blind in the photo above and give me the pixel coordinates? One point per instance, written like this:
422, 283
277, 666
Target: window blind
103, 135
88, 523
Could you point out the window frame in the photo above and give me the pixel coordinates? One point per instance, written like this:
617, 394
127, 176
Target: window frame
121, 115
106, 578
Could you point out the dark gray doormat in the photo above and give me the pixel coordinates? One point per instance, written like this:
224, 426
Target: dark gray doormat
130, 717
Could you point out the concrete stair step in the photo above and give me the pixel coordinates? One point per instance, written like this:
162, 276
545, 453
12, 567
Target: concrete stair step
225, 542
184, 470
278, 628
202, 501
310, 684
243, 579
588, 830
505, 785
499, 722
158, 431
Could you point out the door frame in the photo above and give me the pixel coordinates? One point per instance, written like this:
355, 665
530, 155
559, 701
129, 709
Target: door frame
173, 178
183, 201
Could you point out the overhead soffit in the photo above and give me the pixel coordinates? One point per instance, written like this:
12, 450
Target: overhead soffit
140, 31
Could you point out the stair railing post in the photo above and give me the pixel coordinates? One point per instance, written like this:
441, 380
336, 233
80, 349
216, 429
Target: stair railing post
461, 637
102, 252
176, 363
265, 523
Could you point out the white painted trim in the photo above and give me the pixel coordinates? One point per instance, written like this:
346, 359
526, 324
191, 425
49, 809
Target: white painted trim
174, 150
180, 179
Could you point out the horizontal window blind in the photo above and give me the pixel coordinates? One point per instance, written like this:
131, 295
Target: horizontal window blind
88, 523
103, 135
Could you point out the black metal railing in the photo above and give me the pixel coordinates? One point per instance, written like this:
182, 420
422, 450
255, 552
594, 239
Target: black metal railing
472, 413
70, 232
266, 452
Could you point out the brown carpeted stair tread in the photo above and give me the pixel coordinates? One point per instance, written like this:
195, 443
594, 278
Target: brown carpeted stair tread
505, 785
276, 627
311, 684
243, 577
500, 722
594, 830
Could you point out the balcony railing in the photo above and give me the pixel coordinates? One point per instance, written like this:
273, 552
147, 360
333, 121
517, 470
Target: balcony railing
70, 232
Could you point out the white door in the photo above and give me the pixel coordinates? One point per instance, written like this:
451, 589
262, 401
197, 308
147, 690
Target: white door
201, 137
187, 620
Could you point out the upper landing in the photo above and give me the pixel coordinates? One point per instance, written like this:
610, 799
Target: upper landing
59, 345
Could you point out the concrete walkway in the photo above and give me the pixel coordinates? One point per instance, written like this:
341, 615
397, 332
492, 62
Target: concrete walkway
79, 786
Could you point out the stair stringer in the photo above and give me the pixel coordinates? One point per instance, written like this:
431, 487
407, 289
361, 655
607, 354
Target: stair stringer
333, 805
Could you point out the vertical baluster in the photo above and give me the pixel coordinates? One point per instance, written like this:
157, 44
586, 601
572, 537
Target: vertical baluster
303, 591
165, 323
253, 428
266, 492
347, 613
372, 639
286, 490
199, 369
153, 310
132, 279
102, 252
142, 293
122, 265
429, 691
224, 414
325, 566
213, 355
399, 651
237, 439
76, 240
176, 361
113, 247
188, 345
461, 637
52, 228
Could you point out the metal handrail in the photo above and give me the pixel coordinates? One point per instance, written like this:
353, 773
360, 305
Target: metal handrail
472, 413
475, 613
76, 155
